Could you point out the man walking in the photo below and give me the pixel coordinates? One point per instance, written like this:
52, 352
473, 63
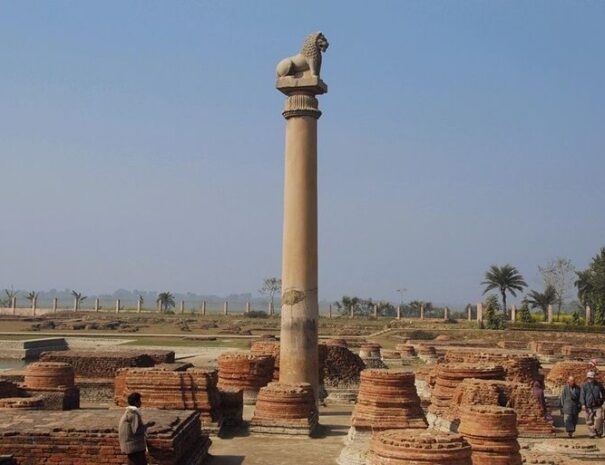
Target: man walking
570, 405
592, 396
132, 432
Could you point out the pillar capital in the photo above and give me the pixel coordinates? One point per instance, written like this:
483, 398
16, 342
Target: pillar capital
301, 92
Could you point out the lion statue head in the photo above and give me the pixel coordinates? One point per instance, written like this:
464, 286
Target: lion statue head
314, 45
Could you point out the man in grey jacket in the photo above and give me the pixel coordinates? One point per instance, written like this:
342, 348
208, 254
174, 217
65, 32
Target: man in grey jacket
570, 405
132, 432
592, 398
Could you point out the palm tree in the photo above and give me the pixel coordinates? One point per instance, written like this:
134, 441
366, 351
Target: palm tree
584, 285
78, 299
542, 300
506, 279
166, 300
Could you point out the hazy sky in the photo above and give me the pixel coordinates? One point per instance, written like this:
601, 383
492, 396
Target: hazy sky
141, 143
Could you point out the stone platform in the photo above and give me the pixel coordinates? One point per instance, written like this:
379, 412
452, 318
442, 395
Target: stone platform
91, 437
31, 349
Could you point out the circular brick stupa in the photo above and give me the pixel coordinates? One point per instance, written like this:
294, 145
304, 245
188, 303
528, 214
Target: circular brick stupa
492, 433
449, 376
387, 399
400, 447
49, 375
286, 409
245, 371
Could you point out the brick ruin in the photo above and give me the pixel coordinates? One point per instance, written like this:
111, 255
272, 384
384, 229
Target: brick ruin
285, 409
492, 433
340, 371
47, 386
560, 371
387, 399
406, 351
90, 437
530, 419
269, 348
105, 364
369, 352
518, 367
449, 376
426, 352
401, 447
246, 372
193, 389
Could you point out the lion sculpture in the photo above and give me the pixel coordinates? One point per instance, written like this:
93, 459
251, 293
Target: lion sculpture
309, 57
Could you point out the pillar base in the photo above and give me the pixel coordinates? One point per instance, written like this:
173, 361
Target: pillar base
286, 410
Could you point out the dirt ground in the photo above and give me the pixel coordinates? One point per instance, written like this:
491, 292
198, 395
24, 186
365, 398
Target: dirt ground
265, 450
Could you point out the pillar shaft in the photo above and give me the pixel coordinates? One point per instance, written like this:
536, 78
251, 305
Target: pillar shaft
298, 356
300, 310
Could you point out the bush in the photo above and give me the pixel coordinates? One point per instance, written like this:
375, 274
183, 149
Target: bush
494, 319
525, 313
256, 314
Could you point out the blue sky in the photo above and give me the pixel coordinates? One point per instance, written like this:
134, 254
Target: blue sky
141, 143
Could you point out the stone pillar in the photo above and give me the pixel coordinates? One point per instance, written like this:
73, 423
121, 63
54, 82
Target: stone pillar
469, 311
422, 311
480, 312
204, 308
247, 307
55, 304
75, 304
159, 304
182, 307
330, 311
139, 305
34, 303
446, 313
300, 309
97, 304
375, 311
588, 315
513, 313
226, 308
399, 312
549, 314
351, 313
14, 305
271, 309
117, 305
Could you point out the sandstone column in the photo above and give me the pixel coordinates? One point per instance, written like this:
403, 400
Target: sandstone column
55, 304
588, 315
422, 311
226, 308
298, 348
247, 307
469, 310
34, 303
291, 403
399, 312
97, 304
204, 308
375, 311
330, 311
14, 305
446, 313
550, 314
182, 307
513, 313
117, 305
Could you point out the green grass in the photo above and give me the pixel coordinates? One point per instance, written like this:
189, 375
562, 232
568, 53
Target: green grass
179, 342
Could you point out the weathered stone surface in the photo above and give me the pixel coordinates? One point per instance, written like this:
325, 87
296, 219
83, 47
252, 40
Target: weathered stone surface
245, 371
546, 347
585, 451
90, 437
449, 376
287, 409
401, 447
194, 389
387, 399
582, 353
492, 433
